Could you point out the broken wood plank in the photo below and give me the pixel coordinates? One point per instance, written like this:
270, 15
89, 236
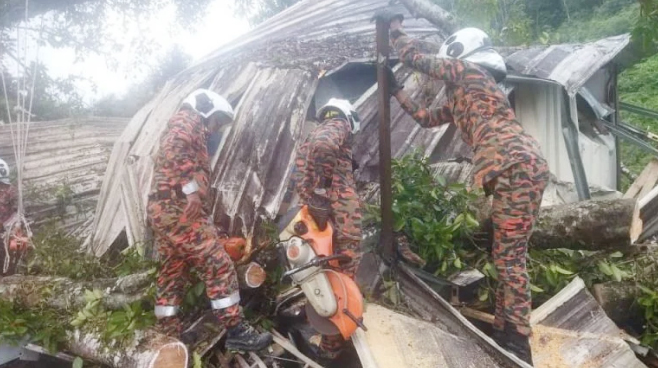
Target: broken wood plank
363, 350
257, 360
477, 315
424, 301
284, 343
649, 214
645, 182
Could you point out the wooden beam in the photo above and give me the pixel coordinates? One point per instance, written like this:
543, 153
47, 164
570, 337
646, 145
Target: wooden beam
284, 343
477, 315
645, 182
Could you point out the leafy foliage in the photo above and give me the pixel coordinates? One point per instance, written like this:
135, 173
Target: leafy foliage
431, 213
44, 326
84, 24
638, 86
114, 326
646, 29
54, 98
57, 254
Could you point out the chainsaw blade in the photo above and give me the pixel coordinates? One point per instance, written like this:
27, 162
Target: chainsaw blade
321, 324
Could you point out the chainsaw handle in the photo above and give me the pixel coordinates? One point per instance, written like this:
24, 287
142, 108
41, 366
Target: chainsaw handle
315, 263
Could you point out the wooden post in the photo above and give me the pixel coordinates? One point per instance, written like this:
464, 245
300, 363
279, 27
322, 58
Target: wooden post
384, 139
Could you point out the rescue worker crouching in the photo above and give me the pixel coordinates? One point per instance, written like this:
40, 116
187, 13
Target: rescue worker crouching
325, 181
184, 233
508, 162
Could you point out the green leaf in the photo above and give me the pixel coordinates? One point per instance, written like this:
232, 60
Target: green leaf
605, 268
77, 362
535, 288
616, 273
399, 224
617, 254
562, 270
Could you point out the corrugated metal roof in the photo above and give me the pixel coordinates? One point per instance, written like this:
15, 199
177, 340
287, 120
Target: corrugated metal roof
571, 65
65, 158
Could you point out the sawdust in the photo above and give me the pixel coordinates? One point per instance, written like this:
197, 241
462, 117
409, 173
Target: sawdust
549, 343
394, 342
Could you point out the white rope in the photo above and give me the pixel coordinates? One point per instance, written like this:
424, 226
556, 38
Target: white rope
20, 136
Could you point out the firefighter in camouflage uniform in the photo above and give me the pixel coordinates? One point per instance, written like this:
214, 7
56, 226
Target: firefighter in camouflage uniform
13, 244
185, 235
508, 162
325, 181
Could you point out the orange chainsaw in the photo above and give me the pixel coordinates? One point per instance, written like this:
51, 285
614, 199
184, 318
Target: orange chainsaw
334, 302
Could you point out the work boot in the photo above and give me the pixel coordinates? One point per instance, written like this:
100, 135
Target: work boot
514, 342
244, 337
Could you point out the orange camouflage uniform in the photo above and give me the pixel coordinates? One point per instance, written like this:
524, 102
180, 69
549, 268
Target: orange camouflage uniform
508, 162
328, 149
183, 244
8, 202
17, 243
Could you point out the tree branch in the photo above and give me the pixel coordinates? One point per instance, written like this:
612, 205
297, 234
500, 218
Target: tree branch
433, 13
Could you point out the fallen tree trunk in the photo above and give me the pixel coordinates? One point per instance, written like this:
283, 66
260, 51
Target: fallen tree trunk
586, 225
148, 349
64, 293
145, 349
433, 13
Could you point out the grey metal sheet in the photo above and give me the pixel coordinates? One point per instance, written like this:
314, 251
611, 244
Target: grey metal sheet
68, 154
568, 64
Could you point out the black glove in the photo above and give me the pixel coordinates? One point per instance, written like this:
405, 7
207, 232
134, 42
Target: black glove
319, 207
387, 15
393, 85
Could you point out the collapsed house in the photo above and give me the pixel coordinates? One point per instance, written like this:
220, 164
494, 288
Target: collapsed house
278, 74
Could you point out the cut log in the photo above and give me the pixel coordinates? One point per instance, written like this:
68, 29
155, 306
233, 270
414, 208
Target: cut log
649, 214
645, 182
587, 225
148, 349
251, 276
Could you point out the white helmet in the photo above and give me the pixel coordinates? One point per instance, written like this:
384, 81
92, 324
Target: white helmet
474, 45
344, 107
207, 102
4, 172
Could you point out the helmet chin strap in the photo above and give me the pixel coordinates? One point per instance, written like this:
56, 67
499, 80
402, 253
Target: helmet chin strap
479, 49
